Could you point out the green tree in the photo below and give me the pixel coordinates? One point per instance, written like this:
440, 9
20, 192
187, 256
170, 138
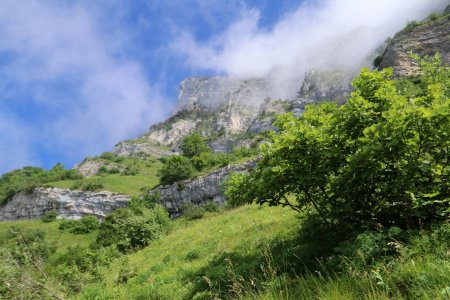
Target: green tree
176, 167
382, 158
134, 227
194, 145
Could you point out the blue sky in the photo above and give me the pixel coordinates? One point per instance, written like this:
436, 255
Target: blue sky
76, 77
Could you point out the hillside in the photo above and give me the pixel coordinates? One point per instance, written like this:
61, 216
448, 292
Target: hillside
241, 196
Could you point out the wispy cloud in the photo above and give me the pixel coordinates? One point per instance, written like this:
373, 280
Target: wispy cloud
340, 34
56, 59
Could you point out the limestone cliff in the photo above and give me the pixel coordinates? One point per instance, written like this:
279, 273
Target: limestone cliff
200, 190
423, 38
69, 204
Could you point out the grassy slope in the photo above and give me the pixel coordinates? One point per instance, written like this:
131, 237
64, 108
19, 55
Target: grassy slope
242, 252
196, 252
58, 238
125, 184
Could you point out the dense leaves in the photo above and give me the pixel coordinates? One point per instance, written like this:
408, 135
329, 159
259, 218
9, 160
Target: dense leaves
194, 145
29, 177
382, 158
134, 227
175, 168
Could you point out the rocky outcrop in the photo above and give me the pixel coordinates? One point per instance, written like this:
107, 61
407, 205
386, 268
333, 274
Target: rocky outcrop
69, 204
426, 38
88, 167
215, 107
212, 93
200, 190
132, 148
323, 86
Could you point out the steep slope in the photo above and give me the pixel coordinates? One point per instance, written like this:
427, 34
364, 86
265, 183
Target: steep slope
428, 37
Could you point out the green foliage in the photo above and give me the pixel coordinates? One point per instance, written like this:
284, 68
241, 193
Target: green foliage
381, 158
132, 228
85, 225
194, 145
211, 206
411, 26
29, 177
91, 186
176, 167
193, 212
49, 216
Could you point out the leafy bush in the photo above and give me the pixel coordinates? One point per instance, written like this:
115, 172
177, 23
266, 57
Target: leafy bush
134, 227
49, 216
211, 206
381, 158
176, 168
91, 186
193, 212
28, 178
194, 145
411, 26
85, 225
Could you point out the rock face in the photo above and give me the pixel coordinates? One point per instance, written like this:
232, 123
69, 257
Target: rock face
67, 203
131, 148
214, 92
200, 190
88, 167
428, 38
230, 111
321, 86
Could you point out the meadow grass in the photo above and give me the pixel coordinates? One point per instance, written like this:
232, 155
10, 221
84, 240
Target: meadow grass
60, 239
124, 184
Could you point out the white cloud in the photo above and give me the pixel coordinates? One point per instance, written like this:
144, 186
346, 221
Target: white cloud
329, 34
89, 96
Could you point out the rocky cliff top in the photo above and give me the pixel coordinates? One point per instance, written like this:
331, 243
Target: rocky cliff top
215, 92
423, 38
68, 204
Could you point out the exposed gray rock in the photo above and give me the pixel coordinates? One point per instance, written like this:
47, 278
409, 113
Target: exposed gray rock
132, 148
426, 39
323, 86
200, 190
447, 10
88, 167
212, 106
268, 111
69, 204
212, 93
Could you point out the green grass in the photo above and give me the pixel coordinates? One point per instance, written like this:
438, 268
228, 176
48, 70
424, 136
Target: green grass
125, 184
181, 264
248, 253
58, 238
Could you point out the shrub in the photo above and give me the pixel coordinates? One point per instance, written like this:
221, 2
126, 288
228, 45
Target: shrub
411, 26
66, 224
211, 206
134, 227
192, 212
381, 158
194, 145
176, 168
92, 186
85, 225
49, 216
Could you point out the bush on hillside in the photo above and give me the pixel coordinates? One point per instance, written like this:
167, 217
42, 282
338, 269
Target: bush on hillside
380, 159
132, 228
176, 168
193, 212
28, 178
49, 216
194, 145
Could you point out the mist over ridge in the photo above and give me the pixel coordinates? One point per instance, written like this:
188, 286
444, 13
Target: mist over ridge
324, 35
